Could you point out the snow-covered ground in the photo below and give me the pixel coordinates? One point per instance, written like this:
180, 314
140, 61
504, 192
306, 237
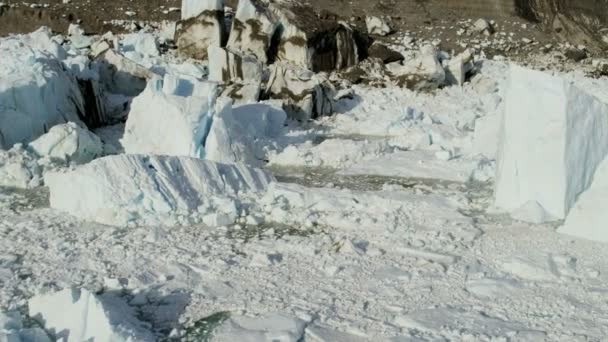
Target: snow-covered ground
380, 226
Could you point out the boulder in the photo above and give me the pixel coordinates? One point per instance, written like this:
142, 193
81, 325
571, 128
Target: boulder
457, 68
370, 71
552, 138
149, 190
87, 317
202, 25
172, 117
575, 54
313, 43
68, 143
306, 94
588, 218
384, 53
226, 66
36, 91
483, 26
380, 26
241, 135
423, 72
253, 28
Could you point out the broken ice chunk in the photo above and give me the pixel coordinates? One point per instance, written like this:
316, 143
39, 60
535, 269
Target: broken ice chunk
553, 136
136, 190
86, 317
172, 117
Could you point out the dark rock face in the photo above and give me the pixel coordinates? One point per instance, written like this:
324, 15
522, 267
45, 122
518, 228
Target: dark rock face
579, 21
94, 115
308, 40
575, 54
384, 53
305, 95
334, 49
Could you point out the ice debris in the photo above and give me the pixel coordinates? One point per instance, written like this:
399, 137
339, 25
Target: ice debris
381, 26
87, 317
68, 143
144, 190
19, 168
12, 329
36, 92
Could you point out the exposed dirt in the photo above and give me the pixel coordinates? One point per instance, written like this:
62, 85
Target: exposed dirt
428, 19
96, 15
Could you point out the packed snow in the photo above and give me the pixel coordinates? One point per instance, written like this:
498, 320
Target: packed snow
144, 198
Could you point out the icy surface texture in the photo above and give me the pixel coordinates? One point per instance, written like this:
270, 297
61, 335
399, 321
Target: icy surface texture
553, 137
133, 190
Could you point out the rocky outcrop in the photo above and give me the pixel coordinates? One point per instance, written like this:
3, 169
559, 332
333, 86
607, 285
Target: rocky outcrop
306, 95
308, 41
578, 21
383, 52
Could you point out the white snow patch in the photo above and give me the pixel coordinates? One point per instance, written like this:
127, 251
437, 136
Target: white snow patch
276, 327
416, 164
461, 324
336, 153
374, 210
